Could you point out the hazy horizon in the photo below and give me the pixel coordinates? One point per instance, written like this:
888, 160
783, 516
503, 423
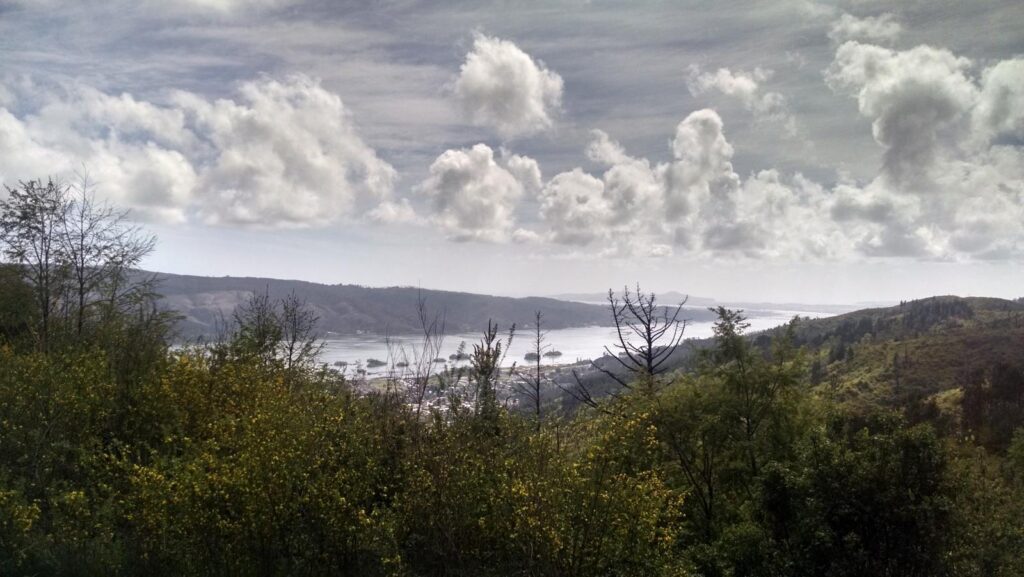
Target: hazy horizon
601, 290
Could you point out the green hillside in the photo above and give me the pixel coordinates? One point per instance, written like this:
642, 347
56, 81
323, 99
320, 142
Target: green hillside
919, 352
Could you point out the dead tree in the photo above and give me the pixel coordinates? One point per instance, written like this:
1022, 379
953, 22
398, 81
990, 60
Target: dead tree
530, 384
647, 336
433, 327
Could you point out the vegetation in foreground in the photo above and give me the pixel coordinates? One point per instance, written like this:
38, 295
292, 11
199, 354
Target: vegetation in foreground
122, 456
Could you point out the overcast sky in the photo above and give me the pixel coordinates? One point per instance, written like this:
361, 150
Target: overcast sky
788, 150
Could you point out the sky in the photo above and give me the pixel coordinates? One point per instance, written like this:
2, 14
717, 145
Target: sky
789, 151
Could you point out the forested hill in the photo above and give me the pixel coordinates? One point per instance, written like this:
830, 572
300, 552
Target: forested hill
919, 355
349, 309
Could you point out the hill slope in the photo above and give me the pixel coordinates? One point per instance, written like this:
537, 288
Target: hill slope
351, 309
918, 352
928, 349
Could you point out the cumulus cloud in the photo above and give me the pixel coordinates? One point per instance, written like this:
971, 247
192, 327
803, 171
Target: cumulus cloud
695, 202
473, 196
286, 153
394, 212
701, 175
128, 146
877, 29
916, 100
524, 169
747, 88
631, 185
504, 88
574, 207
1000, 110
637, 207
951, 183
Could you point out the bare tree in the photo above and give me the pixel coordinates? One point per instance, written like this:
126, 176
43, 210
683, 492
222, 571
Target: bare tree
300, 344
647, 336
101, 249
530, 384
433, 327
30, 222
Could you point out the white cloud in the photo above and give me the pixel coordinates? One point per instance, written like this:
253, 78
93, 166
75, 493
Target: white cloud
572, 204
951, 184
700, 182
286, 154
745, 87
394, 212
916, 100
473, 197
1000, 109
525, 169
631, 185
695, 202
882, 28
21, 157
502, 87
126, 145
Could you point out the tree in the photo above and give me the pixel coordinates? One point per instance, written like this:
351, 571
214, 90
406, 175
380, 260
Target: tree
16, 305
647, 336
258, 329
485, 364
818, 371
531, 385
862, 500
658, 330
77, 254
433, 328
101, 249
755, 386
720, 425
30, 225
300, 344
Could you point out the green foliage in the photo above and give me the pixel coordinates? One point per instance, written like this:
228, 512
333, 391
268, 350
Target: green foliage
529, 503
861, 500
989, 501
992, 406
120, 455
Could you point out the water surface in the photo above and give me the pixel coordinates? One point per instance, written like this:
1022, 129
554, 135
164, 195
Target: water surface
575, 344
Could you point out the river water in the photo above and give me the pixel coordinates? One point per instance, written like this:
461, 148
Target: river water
575, 344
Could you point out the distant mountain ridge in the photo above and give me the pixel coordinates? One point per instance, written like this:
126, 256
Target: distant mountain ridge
675, 297
353, 309
918, 351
